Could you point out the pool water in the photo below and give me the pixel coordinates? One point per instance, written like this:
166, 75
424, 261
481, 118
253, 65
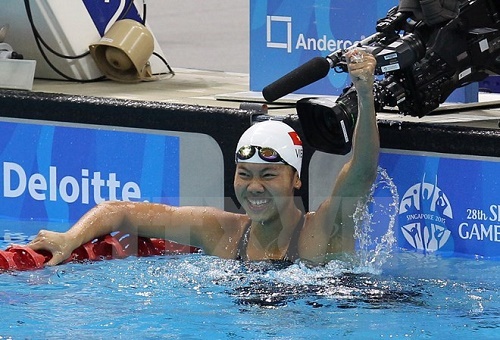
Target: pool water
376, 294
197, 296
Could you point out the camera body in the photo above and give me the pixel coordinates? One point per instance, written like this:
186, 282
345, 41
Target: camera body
418, 67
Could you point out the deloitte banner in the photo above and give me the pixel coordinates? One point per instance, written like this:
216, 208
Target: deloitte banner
287, 33
57, 173
447, 205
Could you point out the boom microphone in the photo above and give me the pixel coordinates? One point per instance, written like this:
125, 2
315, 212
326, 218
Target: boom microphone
306, 74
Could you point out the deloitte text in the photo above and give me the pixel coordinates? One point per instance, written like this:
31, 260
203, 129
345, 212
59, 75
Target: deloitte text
69, 189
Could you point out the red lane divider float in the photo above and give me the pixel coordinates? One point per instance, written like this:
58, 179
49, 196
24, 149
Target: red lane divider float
21, 257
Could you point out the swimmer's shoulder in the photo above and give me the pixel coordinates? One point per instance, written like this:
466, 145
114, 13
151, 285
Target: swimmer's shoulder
227, 232
229, 222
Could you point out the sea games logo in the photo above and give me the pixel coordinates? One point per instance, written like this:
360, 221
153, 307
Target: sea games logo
424, 213
279, 34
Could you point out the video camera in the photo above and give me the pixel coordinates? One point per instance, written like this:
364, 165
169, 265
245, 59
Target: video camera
419, 64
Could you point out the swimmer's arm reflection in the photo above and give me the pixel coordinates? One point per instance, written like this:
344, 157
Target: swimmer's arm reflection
211, 229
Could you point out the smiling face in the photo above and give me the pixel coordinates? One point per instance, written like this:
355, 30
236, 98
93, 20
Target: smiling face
265, 190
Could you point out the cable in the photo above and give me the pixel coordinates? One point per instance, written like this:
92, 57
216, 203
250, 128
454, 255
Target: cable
39, 37
144, 12
40, 42
170, 70
126, 10
165, 62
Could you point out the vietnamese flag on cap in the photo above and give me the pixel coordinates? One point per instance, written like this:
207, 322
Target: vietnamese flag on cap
295, 138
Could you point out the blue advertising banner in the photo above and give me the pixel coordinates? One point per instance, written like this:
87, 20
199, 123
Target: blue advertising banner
287, 33
57, 173
447, 205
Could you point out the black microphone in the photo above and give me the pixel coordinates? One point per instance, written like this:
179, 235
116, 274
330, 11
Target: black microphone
306, 74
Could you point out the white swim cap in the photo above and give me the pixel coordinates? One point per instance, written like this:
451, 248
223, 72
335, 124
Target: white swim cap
257, 143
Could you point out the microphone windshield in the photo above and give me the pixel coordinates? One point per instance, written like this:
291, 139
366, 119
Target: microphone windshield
306, 74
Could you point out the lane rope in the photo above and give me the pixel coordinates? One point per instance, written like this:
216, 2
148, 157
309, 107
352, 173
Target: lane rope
116, 246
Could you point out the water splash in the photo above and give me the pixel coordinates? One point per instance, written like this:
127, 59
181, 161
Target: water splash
374, 225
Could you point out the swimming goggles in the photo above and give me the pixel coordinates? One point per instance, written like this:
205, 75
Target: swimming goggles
265, 153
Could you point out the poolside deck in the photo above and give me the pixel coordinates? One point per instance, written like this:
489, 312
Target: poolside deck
214, 65
230, 89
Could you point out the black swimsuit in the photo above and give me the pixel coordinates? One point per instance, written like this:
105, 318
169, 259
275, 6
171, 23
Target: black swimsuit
292, 253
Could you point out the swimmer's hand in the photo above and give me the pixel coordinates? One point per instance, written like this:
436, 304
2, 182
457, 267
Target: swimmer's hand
58, 244
361, 66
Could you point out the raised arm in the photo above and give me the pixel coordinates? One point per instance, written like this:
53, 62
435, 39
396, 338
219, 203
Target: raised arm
207, 228
331, 228
358, 175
